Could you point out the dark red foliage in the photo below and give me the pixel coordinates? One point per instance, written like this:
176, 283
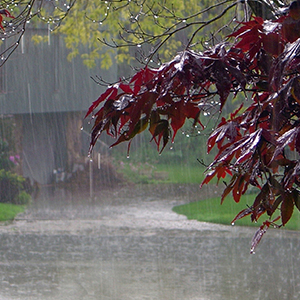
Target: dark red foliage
7, 14
164, 98
260, 232
257, 146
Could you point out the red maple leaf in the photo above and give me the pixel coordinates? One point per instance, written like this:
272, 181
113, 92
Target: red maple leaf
6, 13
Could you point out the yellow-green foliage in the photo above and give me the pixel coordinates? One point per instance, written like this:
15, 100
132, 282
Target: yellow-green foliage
37, 38
91, 21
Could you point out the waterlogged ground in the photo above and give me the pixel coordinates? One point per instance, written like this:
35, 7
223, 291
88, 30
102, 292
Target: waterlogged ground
128, 244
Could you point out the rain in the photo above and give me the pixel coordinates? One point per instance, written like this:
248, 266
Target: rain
90, 232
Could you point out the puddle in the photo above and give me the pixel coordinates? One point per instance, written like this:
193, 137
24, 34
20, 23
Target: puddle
128, 244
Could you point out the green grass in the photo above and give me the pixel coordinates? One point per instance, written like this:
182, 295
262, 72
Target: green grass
210, 210
9, 211
182, 173
164, 173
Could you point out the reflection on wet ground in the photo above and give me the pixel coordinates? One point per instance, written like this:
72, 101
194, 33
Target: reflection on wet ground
128, 244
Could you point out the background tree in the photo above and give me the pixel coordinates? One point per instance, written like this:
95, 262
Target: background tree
258, 144
162, 28
148, 26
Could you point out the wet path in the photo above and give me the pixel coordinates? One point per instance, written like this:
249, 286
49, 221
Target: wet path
144, 207
128, 244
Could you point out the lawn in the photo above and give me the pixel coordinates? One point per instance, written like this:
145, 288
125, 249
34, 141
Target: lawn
182, 173
163, 173
9, 211
210, 210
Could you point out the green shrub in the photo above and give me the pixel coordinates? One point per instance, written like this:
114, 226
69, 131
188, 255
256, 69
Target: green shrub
22, 198
12, 188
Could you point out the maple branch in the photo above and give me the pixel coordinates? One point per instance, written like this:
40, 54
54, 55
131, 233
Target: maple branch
209, 22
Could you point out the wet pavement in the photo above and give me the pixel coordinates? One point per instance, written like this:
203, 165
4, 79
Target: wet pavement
136, 208
127, 243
